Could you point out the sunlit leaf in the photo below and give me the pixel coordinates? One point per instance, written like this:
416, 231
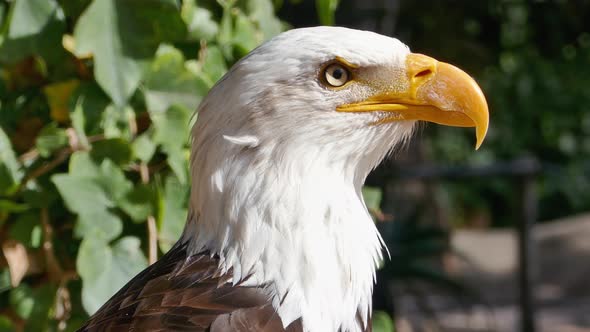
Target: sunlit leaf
122, 35
113, 180
98, 221
169, 81
171, 127
245, 36
116, 121
143, 147
104, 268
213, 66
178, 161
87, 197
224, 36
174, 198
30, 16
10, 169
199, 23
36, 26
262, 11
82, 164
82, 194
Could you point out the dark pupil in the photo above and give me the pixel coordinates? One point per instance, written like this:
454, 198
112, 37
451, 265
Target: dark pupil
337, 74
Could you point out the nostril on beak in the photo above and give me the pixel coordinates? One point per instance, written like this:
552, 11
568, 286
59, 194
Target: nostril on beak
420, 67
423, 73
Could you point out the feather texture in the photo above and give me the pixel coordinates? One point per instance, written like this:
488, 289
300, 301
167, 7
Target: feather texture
180, 293
186, 293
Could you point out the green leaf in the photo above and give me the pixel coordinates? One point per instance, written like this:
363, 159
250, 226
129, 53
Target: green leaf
372, 197
245, 36
143, 148
138, 203
91, 101
98, 221
6, 324
116, 149
82, 194
178, 161
91, 192
30, 17
27, 230
262, 11
39, 195
105, 269
224, 36
5, 283
86, 196
173, 212
122, 35
36, 26
116, 120
50, 139
212, 66
22, 301
113, 180
171, 127
199, 23
382, 322
33, 305
170, 81
7, 206
82, 164
10, 169
117, 71
326, 9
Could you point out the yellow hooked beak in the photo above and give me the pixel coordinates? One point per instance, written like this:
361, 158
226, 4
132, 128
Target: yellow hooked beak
437, 92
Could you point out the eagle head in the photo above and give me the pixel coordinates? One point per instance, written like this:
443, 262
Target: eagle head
281, 148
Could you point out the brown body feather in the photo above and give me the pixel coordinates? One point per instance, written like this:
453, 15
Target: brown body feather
180, 293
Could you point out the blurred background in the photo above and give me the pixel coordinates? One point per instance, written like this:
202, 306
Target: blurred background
95, 101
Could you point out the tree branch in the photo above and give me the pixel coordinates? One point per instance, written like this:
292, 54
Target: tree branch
151, 221
62, 155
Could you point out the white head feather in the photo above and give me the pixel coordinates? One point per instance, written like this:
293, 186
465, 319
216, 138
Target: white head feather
277, 174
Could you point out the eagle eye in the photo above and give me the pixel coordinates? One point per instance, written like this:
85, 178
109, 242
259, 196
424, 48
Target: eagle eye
336, 75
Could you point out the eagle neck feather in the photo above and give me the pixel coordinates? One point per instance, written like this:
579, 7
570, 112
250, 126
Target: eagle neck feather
298, 226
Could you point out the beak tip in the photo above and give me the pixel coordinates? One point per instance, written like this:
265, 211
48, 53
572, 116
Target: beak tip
480, 134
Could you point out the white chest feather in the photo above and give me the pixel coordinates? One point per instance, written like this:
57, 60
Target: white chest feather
304, 231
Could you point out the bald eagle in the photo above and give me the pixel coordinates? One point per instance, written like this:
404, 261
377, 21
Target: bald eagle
278, 237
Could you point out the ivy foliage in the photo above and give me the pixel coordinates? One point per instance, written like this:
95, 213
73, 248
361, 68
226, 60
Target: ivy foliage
96, 97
